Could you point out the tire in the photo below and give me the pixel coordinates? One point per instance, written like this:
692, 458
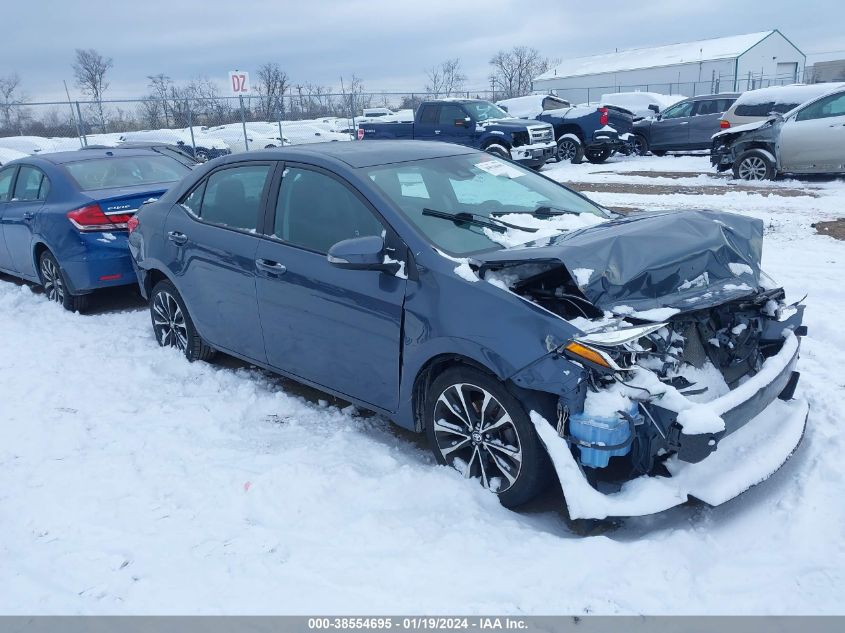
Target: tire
658, 152
569, 149
639, 145
598, 156
754, 165
55, 284
497, 149
172, 324
515, 476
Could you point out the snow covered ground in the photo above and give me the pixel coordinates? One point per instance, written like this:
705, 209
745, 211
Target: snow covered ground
134, 482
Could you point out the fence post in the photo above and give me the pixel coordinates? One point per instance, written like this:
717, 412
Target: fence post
191, 127
588, 96
243, 122
281, 116
81, 125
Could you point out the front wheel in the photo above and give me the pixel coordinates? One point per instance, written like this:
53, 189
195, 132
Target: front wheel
55, 285
498, 149
570, 149
639, 146
172, 324
754, 165
480, 429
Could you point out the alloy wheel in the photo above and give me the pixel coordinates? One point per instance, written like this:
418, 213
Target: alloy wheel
169, 321
566, 149
51, 277
752, 168
476, 435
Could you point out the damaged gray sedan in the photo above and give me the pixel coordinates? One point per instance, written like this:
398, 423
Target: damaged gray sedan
809, 139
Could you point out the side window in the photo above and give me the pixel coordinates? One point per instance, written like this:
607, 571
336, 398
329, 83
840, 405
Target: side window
6, 176
233, 196
553, 103
428, 114
316, 212
677, 111
32, 184
449, 113
193, 200
725, 104
707, 106
830, 106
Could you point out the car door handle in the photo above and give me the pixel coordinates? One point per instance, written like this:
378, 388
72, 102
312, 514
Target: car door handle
437, 131
684, 123
28, 215
270, 266
177, 238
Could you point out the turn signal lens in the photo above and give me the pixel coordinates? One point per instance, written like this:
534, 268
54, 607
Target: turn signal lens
724, 124
588, 353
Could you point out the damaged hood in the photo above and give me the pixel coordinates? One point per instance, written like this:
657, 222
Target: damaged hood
685, 260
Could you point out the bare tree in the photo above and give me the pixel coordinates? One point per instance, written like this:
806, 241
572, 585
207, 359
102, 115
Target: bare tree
273, 82
90, 70
515, 70
445, 78
9, 94
159, 86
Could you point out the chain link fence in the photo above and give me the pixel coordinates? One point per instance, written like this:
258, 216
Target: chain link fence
207, 125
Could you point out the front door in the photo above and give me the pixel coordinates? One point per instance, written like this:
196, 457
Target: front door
813, 140
212, 243
671, 131
454, 126
340, 329
31, 189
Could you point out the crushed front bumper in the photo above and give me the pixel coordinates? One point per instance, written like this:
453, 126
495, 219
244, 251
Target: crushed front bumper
761, 433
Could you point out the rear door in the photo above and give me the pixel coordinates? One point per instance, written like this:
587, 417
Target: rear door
211, 253
671, 131
704, 122
427, 125
7, 180
813, 140
340, 329
31, 189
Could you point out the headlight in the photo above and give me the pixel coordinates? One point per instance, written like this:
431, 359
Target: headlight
609, 350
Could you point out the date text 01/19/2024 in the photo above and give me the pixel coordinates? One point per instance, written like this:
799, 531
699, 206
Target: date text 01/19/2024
417, 623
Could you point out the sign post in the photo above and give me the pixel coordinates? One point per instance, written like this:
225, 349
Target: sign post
239, 85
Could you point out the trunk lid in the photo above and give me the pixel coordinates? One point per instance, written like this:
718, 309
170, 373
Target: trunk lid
686, 260
126, 199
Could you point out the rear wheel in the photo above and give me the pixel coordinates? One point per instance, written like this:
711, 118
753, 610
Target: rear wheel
598, 156
56, 287
172, 324
479, 428
754, 165
639, 145
658, 152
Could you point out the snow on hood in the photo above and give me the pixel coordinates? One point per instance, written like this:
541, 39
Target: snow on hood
687, 259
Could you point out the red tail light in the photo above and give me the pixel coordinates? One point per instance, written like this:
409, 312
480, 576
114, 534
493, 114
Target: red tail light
724, 124
603, 117
92, 218
360, 134
133, 223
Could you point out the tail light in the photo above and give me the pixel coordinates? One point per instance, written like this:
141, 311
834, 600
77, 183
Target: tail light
133, 223
92, 218
360, 134
603, 116
724, 124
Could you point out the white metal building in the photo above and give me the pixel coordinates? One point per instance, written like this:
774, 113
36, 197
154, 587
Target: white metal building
725, 64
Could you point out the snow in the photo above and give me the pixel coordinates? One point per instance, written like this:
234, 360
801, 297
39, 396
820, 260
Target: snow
795, 93
605, 403
740, 269
669, 55
135, 482
8, 155
655, 314
464, 271
546, 227
582, 276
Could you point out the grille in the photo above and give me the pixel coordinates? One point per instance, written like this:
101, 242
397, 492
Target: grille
540, 134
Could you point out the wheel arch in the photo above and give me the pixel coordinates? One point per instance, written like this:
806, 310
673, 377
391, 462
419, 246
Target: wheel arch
494, 139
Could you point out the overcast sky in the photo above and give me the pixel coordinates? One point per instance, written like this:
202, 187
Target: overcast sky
388, 43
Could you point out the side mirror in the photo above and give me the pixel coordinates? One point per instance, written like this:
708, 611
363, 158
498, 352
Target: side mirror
361, 253
658, 116
463, 122
654, 108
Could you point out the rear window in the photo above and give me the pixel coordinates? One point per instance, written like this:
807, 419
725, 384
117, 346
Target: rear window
764, 109
127, 171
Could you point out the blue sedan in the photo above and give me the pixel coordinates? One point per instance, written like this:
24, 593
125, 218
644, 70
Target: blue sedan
63, 217
450, 291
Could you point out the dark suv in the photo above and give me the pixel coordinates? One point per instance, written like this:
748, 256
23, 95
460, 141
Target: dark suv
688, 125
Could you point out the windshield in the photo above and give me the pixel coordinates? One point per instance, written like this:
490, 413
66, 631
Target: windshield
128, 171
478, 184
484, 110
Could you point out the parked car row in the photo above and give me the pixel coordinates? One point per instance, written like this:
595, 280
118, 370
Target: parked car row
522, 327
